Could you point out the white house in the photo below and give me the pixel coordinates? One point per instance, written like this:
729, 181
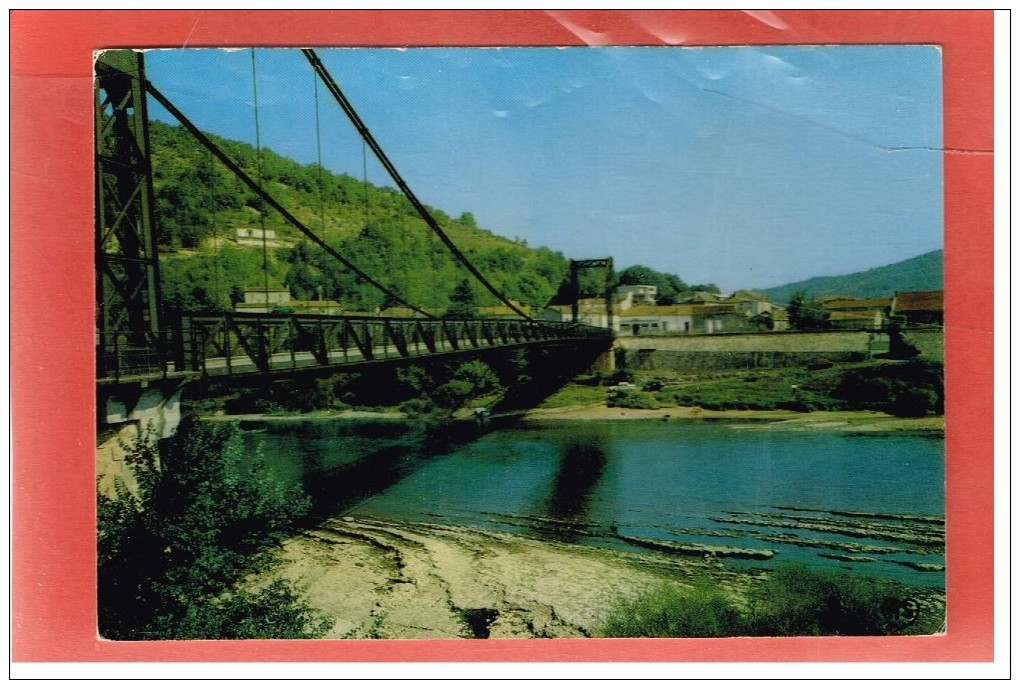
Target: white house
639, 294
677, 319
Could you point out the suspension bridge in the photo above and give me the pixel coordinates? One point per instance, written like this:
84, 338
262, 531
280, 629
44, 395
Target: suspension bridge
137, 342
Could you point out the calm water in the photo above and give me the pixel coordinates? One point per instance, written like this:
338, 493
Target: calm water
590, 482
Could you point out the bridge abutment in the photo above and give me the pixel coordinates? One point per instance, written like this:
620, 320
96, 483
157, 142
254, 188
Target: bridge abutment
606, 361
129, 413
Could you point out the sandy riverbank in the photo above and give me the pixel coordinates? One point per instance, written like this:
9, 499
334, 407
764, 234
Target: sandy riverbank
415, 580
848, 421
853, 421
390, 580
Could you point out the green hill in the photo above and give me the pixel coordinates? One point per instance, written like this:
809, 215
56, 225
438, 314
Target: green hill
923, 272
200, 205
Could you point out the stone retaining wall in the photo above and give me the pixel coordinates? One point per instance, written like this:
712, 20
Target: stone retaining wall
752, 350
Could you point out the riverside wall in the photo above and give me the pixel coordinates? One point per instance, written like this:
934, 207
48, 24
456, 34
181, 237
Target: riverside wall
748, 350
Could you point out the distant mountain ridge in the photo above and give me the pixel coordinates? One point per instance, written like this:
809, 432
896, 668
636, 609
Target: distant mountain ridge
923, 272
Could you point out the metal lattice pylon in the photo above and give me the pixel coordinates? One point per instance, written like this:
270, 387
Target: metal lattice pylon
129, 338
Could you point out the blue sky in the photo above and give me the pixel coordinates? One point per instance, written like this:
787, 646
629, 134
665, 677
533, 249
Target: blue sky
746, 167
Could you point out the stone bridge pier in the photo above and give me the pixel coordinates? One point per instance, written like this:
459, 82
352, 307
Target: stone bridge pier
127, 413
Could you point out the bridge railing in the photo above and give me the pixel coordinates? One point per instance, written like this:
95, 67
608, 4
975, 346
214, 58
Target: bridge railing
261, 343
119, 355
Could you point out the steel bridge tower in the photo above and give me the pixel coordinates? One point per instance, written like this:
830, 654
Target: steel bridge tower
129, 334
575, 286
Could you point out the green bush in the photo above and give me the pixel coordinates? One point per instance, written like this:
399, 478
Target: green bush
479, 374
205, 517
912, 388
633, 399
792, 601
453, 395
417, 407
797, 601
672, 612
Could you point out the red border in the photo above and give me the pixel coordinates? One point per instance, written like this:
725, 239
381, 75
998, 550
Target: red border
52, 386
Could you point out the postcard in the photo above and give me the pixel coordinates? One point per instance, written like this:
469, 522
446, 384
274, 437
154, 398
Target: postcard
537, 336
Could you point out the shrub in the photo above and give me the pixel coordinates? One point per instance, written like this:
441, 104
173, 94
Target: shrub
641, 400
913, 402
205, 516
453, 394
479, 374
618, 376
792, 601
671, 612
417, 407
797, 601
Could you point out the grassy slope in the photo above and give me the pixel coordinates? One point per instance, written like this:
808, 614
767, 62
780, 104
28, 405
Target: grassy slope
923, 272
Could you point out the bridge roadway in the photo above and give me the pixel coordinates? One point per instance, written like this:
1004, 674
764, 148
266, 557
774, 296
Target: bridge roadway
239, 345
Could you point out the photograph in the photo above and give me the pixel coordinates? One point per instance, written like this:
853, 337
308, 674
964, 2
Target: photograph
659, 355
503, 335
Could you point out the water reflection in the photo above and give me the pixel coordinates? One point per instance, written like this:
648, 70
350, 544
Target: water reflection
580, 466
362, 460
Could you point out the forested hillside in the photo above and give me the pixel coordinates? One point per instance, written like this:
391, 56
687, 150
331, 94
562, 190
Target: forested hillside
200, 205
923, 272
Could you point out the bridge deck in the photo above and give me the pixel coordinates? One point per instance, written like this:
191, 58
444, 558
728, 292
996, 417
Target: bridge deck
231, 345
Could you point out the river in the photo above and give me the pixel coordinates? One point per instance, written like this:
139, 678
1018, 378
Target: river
749, 495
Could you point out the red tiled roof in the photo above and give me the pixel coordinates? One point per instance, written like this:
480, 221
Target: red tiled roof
919, 301
849, 305
848, 316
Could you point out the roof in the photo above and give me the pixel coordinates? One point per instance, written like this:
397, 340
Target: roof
701, 296
678, 310
749, 295
919, 301
851, 304
854, 315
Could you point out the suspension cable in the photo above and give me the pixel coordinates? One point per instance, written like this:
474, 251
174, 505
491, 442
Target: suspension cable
273, 203
318, 169
345, 104
258, 174
217, 258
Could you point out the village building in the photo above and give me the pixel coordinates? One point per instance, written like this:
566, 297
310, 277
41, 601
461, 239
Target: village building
750, 303
327, 307
849, 313
854, 320
679, 319
918, 308
639, 294
262, 300
251, 236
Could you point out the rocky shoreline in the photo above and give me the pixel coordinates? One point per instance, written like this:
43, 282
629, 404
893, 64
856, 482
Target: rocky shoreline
415, 580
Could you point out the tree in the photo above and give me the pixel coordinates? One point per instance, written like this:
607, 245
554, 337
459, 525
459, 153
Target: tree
171, 557
463, 303
667, 285
807, 313
763, 321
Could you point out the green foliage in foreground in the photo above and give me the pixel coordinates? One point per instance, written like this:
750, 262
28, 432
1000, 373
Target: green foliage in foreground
672, 612
793, 601
172, 556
